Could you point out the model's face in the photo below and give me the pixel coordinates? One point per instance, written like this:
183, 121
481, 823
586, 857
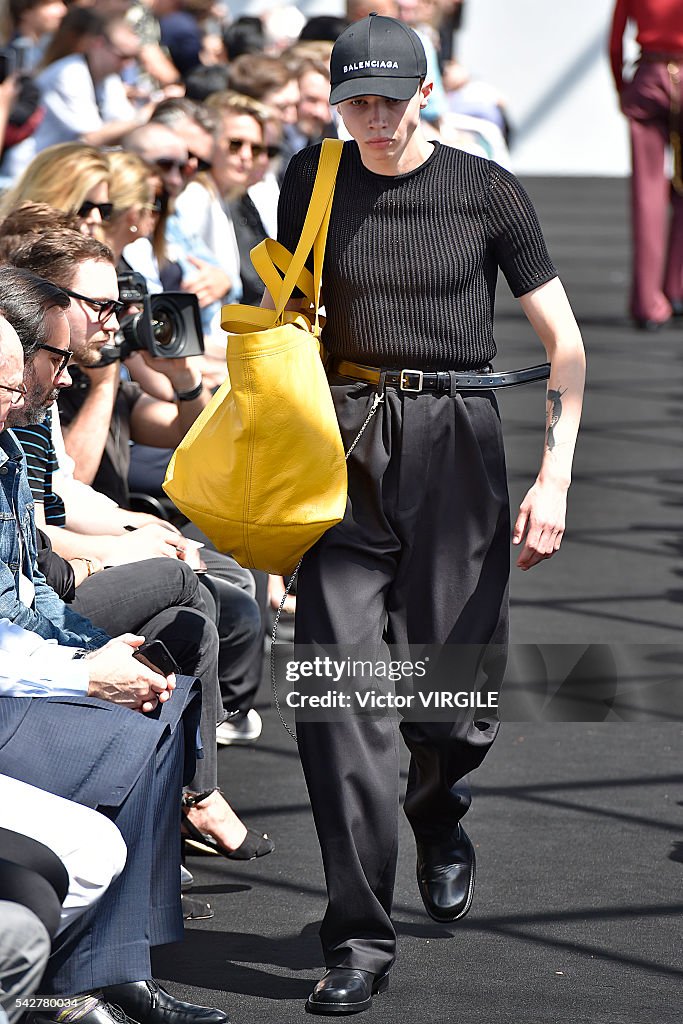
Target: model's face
11, 371
45, 374
239, 148
314, 106
383, 128
90, 328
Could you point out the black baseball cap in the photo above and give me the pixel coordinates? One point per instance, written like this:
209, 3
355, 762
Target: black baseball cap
377, 56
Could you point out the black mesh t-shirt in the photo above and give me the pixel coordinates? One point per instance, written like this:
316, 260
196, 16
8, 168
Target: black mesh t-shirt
412, 260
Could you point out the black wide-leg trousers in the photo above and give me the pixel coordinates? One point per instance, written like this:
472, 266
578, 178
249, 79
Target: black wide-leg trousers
421, 557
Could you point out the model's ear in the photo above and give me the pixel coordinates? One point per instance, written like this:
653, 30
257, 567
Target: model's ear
425, 90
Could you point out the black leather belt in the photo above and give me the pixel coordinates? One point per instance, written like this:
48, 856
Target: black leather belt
440, 381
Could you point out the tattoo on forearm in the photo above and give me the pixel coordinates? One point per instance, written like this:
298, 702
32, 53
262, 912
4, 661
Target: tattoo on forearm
554, 401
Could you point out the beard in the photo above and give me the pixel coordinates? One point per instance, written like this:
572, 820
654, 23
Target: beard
36, 404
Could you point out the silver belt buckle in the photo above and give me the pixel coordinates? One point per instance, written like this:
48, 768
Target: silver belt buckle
411, 380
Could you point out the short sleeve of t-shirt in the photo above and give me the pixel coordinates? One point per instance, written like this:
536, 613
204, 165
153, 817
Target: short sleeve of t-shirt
41, 463
515, 234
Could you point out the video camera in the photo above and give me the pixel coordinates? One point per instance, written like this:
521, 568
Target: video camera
168, 325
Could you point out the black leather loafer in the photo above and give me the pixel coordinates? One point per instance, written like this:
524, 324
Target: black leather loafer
346, 990
148, 1003
445, 876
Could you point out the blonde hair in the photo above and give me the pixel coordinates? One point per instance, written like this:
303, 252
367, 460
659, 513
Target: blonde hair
60, 176
130, 187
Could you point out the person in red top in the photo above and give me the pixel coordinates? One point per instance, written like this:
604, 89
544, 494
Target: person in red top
653, 103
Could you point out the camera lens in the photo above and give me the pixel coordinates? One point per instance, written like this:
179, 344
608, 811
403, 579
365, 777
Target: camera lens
167, 328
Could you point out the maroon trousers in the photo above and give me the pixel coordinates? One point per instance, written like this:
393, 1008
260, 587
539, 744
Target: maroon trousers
656, 208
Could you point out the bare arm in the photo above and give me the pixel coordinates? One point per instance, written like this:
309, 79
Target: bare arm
86, 435
541, 520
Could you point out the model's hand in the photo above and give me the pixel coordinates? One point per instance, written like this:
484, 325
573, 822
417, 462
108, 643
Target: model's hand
540, 523
116, 676
152, 541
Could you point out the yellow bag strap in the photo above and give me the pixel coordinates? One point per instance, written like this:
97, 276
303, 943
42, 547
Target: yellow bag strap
270, 255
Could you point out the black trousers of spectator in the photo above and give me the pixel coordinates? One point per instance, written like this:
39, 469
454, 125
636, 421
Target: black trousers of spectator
421, 557
160, 599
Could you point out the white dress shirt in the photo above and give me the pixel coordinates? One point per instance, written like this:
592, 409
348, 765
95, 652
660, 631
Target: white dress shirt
33, 667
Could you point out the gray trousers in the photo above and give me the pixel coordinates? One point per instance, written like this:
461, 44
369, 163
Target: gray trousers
421, 557
24, 950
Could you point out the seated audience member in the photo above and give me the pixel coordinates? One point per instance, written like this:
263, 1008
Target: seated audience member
244, 35
104, 414
134, 206
272, 82
240, 158
71, 177
33, 23
474, 98
154, 70
31, 305
81, 87
89, 845
182, 31
95, 748
205, 80
315, 117
178, 258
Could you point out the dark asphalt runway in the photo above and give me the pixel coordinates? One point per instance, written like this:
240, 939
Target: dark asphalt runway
578, 825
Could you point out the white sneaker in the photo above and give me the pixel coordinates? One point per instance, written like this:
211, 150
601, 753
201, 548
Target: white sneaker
244, 730
186, 879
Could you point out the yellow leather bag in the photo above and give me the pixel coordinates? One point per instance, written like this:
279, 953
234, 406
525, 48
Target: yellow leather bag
262, 470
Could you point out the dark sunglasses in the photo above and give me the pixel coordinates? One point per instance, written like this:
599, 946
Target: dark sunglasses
16, 393
167, 163
106, 209
105, 307
202, 164
235, 145
64, 357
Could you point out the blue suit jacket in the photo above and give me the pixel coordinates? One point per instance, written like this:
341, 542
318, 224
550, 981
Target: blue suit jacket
89, 750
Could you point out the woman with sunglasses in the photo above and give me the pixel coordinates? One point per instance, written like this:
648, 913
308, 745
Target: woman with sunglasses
132, 195
71, 177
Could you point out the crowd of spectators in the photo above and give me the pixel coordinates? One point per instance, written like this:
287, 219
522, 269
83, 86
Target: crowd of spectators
143, 143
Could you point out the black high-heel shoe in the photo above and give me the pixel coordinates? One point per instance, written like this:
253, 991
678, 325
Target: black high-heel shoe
252, 846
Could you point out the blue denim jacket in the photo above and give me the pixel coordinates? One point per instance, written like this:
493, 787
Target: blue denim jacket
48, 616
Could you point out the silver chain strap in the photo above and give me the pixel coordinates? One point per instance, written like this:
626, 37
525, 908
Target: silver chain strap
273, 637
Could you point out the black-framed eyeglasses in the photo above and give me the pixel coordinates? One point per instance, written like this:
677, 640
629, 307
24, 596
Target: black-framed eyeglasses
202, 164
105, 307
64, 357
235, 145
17, 393
86, 208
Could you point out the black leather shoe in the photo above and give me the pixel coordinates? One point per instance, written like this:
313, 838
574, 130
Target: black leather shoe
99, 1013
346, 990
148, 1003
445, 876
